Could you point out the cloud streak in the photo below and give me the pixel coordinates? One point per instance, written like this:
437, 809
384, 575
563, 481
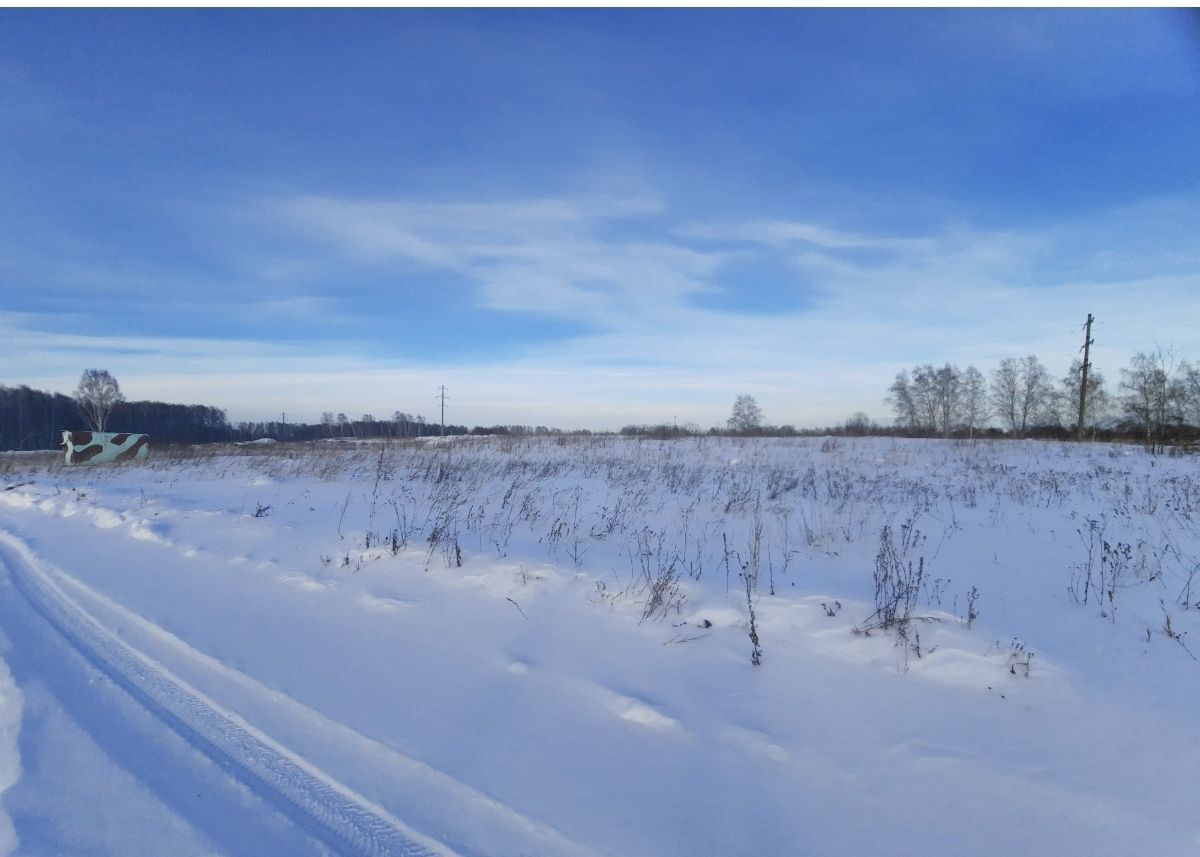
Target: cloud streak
542, 256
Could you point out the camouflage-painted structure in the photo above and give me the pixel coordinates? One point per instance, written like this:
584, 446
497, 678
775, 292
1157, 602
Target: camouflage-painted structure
96, 447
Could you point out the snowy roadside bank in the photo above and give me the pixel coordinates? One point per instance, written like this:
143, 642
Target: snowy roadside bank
10, 757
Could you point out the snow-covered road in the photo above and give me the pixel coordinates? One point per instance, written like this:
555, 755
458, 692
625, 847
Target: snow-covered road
309, 799
217, 780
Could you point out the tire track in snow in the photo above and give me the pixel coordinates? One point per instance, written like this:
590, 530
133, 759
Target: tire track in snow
469, 822
341, 819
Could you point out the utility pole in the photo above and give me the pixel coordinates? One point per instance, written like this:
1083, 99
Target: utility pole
442, 396
1087, 344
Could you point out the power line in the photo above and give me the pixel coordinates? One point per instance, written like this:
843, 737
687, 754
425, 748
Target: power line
1125, 321
1170, 343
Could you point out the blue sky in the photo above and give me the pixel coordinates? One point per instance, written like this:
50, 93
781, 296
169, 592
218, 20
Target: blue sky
589, 218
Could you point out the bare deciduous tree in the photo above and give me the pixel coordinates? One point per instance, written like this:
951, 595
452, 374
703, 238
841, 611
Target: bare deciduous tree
859, 424
1154, 395
1006, 387
924, 392
1021, 392
900, 397
746, 416
1036, 392
1189, 380
928, 401
947, 384
974, 399
96, 396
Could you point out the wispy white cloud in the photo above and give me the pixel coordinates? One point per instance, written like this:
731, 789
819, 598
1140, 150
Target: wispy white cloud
546, 256
789, 233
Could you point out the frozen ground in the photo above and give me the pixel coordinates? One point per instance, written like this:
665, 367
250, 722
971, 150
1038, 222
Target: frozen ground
542, 647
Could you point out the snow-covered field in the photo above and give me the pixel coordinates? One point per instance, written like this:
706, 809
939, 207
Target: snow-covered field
543, 647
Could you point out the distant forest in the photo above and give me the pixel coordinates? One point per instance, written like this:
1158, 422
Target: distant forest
33, 419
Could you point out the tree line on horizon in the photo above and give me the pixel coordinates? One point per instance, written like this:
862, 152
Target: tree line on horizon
34, 419
1157, 400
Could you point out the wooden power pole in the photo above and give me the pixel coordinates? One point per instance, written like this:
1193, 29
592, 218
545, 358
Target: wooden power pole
1087, 344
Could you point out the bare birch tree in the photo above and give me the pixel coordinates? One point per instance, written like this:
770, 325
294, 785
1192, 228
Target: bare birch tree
974, 399
746, 415
900, 397
1153, 394
1189, 380
1020, 393
948, 390
928, 400
96, 396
